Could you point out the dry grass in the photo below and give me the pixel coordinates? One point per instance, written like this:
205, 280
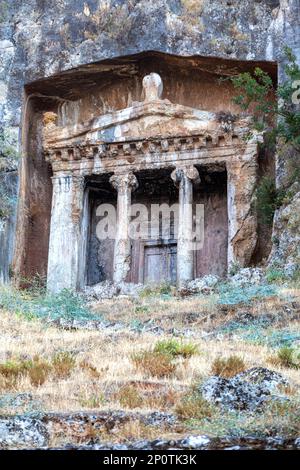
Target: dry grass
98, 364
228, 367
193, 406
154, 364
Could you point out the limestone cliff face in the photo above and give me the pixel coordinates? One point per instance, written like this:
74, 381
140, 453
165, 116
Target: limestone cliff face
40, 38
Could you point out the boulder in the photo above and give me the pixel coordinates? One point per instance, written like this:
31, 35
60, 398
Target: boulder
204, 285
246, 276
18, 432
108, 290
248, 390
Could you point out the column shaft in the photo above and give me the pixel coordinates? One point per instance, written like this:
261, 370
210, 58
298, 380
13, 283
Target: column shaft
65, 266
124, 184
183, 178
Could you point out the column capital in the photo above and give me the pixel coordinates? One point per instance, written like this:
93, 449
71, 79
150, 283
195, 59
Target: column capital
124, 182
188, 172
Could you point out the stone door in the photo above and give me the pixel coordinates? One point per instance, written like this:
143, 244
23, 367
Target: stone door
160, 263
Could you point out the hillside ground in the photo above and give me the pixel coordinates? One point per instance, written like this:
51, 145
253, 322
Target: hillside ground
149, 354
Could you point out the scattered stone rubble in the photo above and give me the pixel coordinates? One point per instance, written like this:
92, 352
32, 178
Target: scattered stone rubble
203, 285
248, 390
247, 276
108, 290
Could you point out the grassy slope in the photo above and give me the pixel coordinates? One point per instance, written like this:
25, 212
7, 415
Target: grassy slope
104, 376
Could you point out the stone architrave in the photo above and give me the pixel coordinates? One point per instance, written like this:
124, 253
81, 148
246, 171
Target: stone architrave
124, 184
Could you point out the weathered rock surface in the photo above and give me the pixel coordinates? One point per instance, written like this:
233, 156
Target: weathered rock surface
73, 432
248, 390
247, 276
204, 285
285, 253
22, 431
39, 39
108, 290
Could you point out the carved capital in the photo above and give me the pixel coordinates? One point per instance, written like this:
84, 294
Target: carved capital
186, 173
125, 182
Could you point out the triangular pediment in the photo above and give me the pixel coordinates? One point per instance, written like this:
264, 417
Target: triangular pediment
151, 119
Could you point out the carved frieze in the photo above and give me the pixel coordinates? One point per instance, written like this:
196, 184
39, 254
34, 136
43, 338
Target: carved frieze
141, 147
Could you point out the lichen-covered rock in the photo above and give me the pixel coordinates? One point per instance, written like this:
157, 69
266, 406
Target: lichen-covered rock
285, 253
248, 390
203, 285
108, 290
18, 432
247, 276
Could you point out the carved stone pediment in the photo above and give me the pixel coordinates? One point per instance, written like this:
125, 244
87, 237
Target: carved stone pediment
154, 120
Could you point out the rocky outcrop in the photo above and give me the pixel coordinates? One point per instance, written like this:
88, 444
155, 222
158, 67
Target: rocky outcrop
108, 290
82, 431
285, 253
39, 39
249, 390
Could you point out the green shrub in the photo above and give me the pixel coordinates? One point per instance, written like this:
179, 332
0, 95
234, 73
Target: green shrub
229, 295
176, 348
287, 357
164, 289
32, 304
36, 369
275, 275
256, 92
268, 199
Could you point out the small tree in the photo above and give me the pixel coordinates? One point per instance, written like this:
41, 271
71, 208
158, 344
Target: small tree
279, 117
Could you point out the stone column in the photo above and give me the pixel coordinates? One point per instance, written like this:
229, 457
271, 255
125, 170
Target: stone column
184, 178
65, 263
124, 184
242, 218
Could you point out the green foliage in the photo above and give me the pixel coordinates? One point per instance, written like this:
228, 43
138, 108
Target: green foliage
3, 10
8, 147
229, 295
275, 275
287, 357
8, 156
268, 199
256, 92
66, 304
176, 348
164, 290
234, 268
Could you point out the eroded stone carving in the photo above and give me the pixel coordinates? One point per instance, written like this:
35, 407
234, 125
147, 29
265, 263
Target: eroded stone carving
153, 87
152, 134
